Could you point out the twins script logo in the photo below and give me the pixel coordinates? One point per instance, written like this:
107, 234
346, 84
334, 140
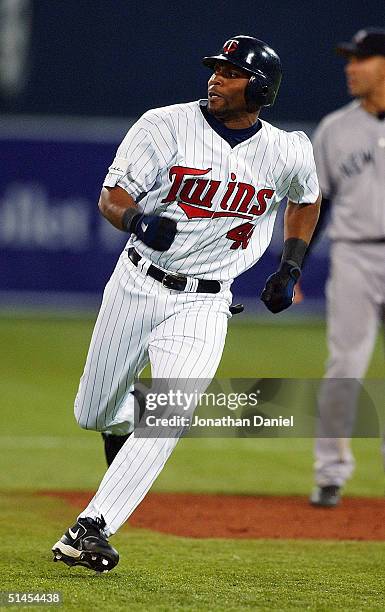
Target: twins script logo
195, 197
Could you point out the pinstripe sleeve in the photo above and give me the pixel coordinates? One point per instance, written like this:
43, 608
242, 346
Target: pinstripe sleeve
304, 187
136, 164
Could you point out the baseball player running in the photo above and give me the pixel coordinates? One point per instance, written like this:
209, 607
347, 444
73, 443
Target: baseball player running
349, 148
197, 186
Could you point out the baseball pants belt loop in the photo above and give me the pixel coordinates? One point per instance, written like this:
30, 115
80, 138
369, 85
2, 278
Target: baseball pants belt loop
192, 284
143, 265
172, 280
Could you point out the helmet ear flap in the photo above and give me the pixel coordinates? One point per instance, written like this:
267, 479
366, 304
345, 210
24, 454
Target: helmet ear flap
260, 91
256, 93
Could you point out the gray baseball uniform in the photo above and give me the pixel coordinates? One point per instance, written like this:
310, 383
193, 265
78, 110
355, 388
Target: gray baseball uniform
349, 148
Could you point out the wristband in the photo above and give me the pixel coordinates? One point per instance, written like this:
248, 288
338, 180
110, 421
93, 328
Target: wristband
128, 220
289, 268
294, 250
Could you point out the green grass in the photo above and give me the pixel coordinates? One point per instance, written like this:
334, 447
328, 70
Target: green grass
159, 572
268, 466
43, 448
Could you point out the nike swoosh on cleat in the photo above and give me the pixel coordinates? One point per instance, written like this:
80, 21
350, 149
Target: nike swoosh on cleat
73, 534
144, 227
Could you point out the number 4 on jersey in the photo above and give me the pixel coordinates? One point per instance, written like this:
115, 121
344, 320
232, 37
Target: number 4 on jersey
240, 235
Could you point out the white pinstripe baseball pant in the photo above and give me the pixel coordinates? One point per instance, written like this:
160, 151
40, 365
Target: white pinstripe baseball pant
182, 335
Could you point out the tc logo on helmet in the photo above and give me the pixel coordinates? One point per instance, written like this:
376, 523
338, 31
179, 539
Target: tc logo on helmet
230, 46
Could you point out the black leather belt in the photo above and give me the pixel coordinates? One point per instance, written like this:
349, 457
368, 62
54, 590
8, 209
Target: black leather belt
362, 241
172, 280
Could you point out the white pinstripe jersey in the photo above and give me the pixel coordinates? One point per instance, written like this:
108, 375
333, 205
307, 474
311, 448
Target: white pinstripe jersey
224, 199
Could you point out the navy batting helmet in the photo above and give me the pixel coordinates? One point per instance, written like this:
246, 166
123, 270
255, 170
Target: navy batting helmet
260, 60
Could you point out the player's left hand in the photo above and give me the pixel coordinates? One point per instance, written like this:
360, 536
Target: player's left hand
278, 293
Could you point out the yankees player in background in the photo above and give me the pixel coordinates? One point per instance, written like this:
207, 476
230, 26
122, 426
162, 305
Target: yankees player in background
197, 186
349, 148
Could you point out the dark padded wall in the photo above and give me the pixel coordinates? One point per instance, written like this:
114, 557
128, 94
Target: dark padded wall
117, 57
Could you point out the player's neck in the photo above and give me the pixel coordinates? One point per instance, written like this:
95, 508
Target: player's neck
375, 102
238, 121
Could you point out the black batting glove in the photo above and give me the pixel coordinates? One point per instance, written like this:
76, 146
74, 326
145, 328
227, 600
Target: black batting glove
278, 293
154, 231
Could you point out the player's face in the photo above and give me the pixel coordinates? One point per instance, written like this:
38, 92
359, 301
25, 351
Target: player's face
365, 75
226, 91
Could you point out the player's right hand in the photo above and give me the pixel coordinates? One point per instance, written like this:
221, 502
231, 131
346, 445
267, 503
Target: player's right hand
154, 231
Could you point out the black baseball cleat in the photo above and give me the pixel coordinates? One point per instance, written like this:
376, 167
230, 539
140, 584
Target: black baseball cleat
85, 544
326, 497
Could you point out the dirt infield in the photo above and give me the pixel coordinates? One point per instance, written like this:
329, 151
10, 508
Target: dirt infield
234, 516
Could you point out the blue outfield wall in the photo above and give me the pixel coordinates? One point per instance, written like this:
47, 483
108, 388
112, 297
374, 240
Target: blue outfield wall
55, 246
